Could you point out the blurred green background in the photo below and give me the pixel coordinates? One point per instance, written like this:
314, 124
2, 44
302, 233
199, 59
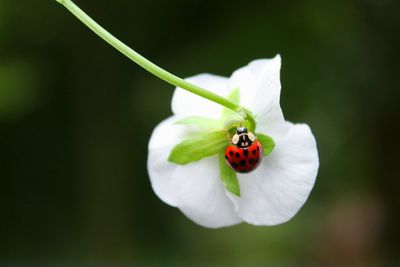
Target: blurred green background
76, 116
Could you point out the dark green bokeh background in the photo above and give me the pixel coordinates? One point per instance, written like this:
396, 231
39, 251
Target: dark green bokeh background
76, 116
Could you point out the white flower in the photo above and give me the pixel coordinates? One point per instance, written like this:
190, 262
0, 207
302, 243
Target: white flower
274, 192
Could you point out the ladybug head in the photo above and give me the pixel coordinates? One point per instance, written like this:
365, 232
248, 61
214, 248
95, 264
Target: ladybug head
243, 138
241, 130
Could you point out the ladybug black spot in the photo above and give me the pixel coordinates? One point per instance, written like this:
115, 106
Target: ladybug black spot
254, 151
234, 165
237, 155
226, 157
246, 152
242, 162
252, 161
231, 153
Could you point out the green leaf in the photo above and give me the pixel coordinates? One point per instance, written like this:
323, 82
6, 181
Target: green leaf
267, 143
201, 122
198, 147
228, 176
233, 96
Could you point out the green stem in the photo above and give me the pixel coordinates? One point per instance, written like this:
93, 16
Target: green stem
142, 61
148, 65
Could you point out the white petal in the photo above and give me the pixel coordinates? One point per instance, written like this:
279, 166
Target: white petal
259, 84
201, 195
273, 123
164, 137
274, 192
187, 104
194, 188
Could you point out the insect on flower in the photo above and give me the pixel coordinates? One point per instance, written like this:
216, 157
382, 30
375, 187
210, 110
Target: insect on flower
212, 178
189, 151
245, 153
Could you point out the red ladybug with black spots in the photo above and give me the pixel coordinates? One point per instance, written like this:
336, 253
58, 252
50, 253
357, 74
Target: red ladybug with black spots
245, 153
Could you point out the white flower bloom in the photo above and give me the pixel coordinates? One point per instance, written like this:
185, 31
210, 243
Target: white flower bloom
274, 192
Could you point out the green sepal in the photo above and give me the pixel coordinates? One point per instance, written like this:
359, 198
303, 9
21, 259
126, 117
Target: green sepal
198, 147
233, 96
267, 143
228, 176
201, 122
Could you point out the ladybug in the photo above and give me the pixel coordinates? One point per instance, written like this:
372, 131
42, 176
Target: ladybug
245, 153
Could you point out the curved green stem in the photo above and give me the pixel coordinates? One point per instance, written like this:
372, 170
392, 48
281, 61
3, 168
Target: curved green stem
148, 65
